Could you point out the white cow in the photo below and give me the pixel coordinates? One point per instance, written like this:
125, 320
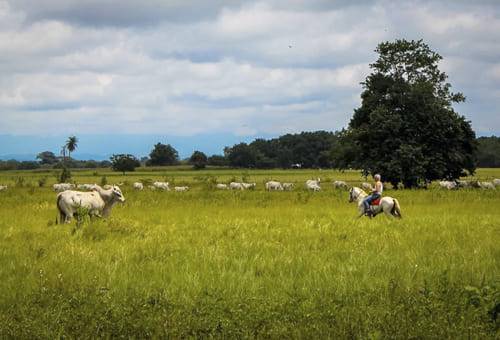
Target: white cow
314, 181
3, 187
448, 185
487, 185
236, 186
98, 202
138, 186
222, 186
367, 186
181, 189
249, 185
161, 185
340, 185
496, 182
274, 185
313, 184
58, 187
288, 186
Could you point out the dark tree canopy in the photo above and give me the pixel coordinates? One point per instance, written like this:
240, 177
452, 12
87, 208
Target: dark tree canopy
198, 160
163, 154
47, 157
124, 162
309, 149
488, 155
406, 128
217, 160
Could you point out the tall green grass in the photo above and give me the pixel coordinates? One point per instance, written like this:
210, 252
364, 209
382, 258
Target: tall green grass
249, 264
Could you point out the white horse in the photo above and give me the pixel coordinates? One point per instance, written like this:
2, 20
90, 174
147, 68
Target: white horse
388, 205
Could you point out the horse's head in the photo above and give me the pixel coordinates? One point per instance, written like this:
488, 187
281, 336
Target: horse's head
351, 195
354, 193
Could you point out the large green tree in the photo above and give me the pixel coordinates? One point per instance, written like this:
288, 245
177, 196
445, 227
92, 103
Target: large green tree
124, 162
406, 128
47, 157
163, 154
198, 159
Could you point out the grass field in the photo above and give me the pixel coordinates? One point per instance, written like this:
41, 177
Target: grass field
209, 263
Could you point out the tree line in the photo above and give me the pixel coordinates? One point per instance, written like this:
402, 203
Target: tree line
319, 149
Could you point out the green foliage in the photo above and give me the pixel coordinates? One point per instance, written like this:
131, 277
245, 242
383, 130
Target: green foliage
310, 149
104, 181
124, 162
71, 145
65, 175
20, 181
198, 160
217, 160
163, 154
488, 155
42, 182
406, 128
47, 157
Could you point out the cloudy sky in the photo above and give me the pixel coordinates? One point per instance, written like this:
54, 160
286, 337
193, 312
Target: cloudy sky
204, 74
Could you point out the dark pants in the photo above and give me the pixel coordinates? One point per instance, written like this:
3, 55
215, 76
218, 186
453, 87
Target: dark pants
368, 200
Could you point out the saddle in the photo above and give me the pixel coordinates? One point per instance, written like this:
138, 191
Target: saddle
376, 202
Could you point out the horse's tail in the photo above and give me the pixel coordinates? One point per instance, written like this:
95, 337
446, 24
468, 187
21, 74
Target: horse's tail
62, 215
396, 209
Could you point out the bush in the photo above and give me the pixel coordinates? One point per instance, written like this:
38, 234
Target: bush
124, 162
65, 175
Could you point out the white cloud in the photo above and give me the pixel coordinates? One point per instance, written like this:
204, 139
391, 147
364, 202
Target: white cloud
242, 68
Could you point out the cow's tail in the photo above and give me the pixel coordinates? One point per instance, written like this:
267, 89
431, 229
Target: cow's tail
396, 209
62, 215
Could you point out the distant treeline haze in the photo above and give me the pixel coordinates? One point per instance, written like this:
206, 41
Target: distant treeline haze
319, 149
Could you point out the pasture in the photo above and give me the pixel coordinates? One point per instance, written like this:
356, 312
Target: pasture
207, 263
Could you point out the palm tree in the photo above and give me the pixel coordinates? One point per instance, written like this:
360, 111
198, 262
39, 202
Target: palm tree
71, 145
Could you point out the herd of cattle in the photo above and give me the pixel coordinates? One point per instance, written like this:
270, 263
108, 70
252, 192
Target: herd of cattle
452, 185
98, 200
312, 185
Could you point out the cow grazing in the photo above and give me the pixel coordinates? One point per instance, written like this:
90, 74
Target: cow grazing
138, 186
274, 185
313, 184
161, 185
487, 185
340, 185
98, 202
249, 185
222, 186
181, 189
236, 186
449, 185
3, 187
288, 186
59, 187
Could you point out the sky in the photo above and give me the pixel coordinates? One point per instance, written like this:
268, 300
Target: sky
123, 75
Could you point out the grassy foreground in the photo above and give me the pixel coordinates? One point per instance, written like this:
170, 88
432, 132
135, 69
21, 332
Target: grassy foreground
249, 264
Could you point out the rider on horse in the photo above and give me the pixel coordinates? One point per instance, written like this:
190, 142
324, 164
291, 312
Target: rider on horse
375, 194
